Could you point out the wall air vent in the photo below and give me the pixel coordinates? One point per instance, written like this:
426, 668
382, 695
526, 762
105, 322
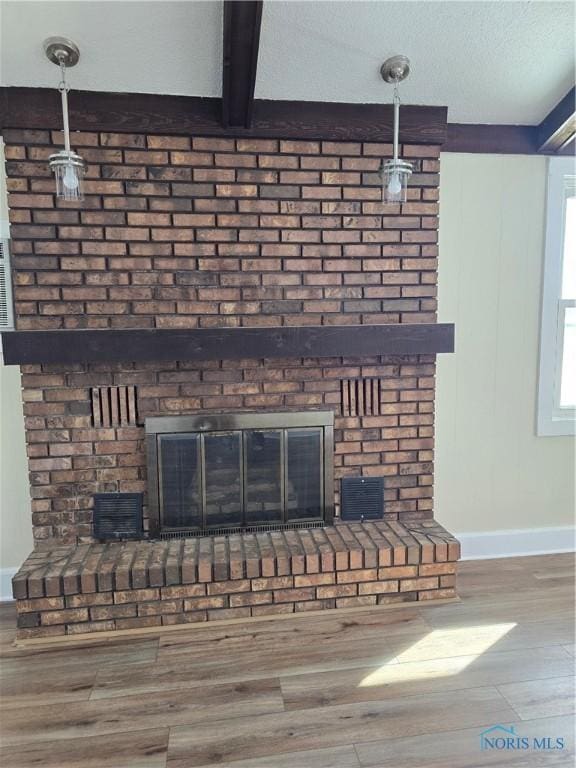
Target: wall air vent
6, 308
362, 498
117, 516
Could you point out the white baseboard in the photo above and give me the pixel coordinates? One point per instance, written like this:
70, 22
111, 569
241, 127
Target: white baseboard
517, 543
6, 575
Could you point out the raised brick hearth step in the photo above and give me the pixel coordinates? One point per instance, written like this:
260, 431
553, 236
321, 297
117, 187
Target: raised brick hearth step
100, 587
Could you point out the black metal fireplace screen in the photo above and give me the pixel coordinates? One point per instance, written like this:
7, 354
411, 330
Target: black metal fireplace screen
226, 472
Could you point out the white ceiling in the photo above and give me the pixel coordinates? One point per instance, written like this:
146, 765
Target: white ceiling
125, 45
498, 61
489, 62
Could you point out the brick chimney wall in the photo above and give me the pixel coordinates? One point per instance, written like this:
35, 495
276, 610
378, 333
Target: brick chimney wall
181, 232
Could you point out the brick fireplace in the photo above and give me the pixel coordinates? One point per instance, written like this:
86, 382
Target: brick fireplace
194, 235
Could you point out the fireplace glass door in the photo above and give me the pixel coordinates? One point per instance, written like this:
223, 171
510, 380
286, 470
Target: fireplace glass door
221, 477
239, 471
179, 469
264, 492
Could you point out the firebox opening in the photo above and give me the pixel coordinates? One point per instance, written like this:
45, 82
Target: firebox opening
239, 471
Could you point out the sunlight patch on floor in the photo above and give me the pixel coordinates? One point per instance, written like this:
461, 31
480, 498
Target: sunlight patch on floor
440, 653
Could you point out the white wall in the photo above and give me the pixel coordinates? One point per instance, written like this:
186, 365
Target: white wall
492, 472
15, 515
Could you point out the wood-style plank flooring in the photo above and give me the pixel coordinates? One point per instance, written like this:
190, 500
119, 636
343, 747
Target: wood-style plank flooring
406, 687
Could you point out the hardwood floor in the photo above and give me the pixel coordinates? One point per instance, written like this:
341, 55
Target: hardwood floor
406, 687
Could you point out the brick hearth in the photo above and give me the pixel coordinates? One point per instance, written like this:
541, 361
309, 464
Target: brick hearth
101, 587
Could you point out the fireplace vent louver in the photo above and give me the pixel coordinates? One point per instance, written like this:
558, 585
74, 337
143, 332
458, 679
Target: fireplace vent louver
360, 397
362, 498
114, 406
6, 309
117, 516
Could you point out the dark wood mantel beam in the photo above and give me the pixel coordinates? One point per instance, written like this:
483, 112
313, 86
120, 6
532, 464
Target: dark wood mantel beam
87, 346
558, 128
242, 21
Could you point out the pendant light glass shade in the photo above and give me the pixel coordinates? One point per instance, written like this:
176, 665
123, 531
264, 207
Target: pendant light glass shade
68, 168
395, 175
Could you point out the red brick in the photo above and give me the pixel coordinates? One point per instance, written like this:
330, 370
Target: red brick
437, 594
340, 590
213, 144
106, 612
314, 579
229, 587
347, 577
398, 572
291, 595
250, 598
40, 604
377, 587
136, 595
203, 603
66, 616
186, 590
408, 585
89, 600
229, 613
272, 583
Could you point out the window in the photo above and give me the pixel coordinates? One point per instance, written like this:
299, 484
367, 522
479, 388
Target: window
557, 385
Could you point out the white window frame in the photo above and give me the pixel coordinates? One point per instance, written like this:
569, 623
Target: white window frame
551, 418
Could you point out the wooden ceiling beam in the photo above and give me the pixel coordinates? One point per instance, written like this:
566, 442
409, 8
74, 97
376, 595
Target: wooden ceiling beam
39, 109
242, 21
491, 139
558, 128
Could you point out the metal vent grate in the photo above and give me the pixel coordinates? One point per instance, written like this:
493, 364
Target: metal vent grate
360, 397
114, 406
193, 533
117, 516
362, 498
6, 311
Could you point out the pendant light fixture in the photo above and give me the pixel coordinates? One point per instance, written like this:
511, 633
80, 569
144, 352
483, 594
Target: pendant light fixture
68, 167
396, 172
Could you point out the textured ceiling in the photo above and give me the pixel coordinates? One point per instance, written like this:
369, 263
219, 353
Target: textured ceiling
489, 62
125, 45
